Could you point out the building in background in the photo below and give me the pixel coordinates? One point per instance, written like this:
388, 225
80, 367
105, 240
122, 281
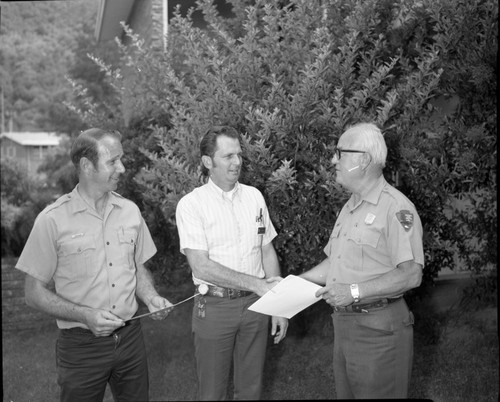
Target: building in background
29, 149
149, 19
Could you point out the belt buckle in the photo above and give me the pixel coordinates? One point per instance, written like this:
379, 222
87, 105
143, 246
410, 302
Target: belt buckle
231, 293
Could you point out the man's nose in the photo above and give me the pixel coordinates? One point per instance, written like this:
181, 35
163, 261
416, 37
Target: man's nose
121, 167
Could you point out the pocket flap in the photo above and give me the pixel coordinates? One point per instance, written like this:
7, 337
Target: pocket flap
127, 236
77, 246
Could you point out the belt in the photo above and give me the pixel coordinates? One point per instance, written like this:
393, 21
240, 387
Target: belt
365, 307
228, 293
81, 330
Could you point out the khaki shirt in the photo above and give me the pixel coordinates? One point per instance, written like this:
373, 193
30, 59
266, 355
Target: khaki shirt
232, 226
91, 260
371, 238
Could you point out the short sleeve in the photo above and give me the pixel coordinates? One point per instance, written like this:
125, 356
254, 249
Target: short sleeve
405, 235
39, 256
145, 248
190, 225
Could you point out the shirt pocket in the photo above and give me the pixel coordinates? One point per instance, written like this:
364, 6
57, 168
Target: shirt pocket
128, 240
366, 237
79, 256
361, 246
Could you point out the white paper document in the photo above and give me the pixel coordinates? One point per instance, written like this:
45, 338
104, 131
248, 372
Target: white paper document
287, 298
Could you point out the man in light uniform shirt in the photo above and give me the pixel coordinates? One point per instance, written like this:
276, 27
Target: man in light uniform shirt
374, 255
93, 244
226, 234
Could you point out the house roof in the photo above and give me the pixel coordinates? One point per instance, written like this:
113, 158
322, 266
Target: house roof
33, 138
109, 16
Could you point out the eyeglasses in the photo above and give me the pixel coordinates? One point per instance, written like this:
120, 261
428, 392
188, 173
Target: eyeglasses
338, 151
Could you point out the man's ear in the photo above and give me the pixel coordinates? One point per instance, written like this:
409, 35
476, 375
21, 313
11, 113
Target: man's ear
207, 161
86, 165
366, 160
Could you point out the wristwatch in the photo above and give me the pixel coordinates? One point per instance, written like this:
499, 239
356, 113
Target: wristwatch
355, 292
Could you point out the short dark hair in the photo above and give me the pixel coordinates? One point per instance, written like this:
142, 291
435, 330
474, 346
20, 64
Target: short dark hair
85, 145
208, 144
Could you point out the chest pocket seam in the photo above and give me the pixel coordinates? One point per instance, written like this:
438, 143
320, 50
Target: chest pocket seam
368, 238
77, 246
127, 240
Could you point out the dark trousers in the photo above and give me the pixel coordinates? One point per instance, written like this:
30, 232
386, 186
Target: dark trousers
86, 363
226, 332
373, 352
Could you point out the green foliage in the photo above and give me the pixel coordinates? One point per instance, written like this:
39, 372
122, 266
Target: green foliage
22, 199
292, 76
36, 52
60, 172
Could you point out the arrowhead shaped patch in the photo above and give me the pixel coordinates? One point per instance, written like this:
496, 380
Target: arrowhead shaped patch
405, 217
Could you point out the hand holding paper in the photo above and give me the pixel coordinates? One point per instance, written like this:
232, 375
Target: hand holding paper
289, 297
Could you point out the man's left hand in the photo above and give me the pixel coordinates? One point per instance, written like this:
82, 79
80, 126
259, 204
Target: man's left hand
279, 326
336, 294
159, 303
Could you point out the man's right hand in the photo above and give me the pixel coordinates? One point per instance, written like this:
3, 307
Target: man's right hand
102, 322
268, 284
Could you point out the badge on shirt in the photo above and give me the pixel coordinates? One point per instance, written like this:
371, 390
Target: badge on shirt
259, 219
405, 217
369, 218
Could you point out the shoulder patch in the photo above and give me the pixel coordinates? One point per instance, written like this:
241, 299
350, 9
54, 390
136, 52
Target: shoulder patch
405, 217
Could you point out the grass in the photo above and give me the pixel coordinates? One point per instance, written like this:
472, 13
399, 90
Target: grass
456, 358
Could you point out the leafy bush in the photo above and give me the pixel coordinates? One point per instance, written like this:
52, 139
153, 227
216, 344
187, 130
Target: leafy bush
22, 199
292, 76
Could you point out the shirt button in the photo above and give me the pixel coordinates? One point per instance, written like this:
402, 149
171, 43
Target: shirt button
107, 243
132, 240
113, 306
79, 250
110, 264
113, 285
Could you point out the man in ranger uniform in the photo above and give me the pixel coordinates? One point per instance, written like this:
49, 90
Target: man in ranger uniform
374, 255
93, 244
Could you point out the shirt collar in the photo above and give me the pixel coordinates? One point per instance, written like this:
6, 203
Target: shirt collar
224, 194
80, 205
374, 194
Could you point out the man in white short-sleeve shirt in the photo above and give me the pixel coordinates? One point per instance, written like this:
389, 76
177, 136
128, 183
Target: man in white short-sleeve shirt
226, 234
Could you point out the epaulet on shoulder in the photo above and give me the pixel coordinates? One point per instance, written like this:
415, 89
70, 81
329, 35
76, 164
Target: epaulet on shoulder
60, 201
400, 199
